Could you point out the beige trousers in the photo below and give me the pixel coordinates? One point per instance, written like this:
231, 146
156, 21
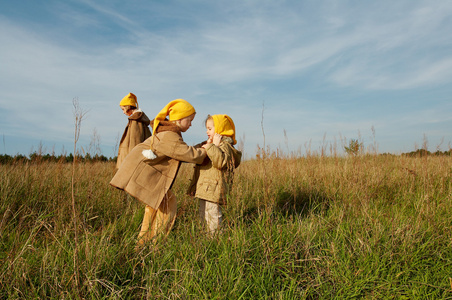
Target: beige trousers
212, 214
156, 221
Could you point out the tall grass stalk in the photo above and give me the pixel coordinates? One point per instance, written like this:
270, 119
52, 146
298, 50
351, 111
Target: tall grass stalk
79, 114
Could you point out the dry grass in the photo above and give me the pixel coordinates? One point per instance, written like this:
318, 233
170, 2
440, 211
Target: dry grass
311, 227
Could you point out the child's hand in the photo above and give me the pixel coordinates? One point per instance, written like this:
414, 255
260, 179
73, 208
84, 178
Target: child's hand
217, 139
209, 141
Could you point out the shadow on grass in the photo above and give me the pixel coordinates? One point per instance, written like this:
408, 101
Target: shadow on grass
293, 204
301, 203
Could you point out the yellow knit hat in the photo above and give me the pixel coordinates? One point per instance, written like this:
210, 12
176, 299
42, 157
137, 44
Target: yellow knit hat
176, 110
224, 126
130, 99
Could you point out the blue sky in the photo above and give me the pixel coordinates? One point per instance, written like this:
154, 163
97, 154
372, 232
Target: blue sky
304, 74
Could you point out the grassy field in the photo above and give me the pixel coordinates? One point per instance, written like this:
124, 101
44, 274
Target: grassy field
372, 227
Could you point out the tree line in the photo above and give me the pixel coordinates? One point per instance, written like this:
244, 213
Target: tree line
62, 158
88, 158
423, 152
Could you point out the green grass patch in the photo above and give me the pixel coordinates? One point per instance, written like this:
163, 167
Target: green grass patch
372, 227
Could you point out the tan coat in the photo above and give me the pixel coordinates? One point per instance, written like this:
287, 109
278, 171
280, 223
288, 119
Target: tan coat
212, 181
137, 131
149, 180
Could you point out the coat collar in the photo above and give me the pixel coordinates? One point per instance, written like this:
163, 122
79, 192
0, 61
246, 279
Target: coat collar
166, 125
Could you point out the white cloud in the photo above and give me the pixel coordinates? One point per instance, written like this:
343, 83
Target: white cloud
395, 53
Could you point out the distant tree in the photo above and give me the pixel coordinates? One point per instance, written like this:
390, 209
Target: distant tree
35, 157
100, 158
5, 158
418, 153
354, 147
88, 157
20, 158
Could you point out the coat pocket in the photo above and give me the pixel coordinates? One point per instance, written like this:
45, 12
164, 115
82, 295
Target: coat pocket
209, 185
152, 178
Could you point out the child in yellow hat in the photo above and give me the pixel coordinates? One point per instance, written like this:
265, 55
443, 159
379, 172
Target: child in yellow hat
212, 180
150, 180
137, 129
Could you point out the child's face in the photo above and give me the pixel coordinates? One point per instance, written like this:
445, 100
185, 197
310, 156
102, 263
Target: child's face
126, 110
185, 123
210, 128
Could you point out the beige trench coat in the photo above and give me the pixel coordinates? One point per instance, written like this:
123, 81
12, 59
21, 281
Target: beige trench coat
149, 180
136, 131
212, 181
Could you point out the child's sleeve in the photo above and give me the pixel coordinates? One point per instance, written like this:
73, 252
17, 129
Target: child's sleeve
172, 145
220, 156
136, 133
200, 144
191, 190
